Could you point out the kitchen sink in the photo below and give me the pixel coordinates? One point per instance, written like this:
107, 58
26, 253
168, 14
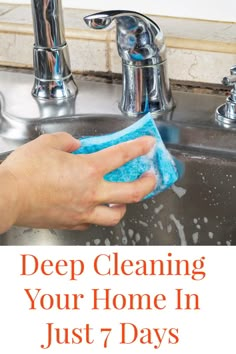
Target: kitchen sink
198, 210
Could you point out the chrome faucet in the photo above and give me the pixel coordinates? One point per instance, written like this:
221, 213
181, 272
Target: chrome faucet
141, 46
226, 113
53, 77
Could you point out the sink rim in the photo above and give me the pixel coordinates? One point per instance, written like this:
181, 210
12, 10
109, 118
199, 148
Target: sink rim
193, 119
195, 139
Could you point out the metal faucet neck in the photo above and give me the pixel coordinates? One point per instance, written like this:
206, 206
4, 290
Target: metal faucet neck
48, 23
53, 77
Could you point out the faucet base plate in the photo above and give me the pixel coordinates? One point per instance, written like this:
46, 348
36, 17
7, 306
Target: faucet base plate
54, 89
222, 119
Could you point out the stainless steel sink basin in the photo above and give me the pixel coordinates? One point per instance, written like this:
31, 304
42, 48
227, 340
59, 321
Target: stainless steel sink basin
198, 210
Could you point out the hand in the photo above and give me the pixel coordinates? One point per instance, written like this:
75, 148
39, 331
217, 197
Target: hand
56, 189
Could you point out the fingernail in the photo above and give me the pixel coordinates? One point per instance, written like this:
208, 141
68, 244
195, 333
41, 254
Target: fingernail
116, 205
151, 141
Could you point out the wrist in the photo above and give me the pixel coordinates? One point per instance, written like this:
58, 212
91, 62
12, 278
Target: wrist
9, 199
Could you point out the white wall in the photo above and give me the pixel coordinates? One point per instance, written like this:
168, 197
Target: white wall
202, 9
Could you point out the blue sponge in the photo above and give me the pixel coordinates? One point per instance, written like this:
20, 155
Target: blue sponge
158, 160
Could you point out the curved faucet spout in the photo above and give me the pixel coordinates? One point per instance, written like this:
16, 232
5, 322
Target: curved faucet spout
98, 22
106, 17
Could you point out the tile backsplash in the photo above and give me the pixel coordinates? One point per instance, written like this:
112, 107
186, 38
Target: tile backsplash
200, 51
215, 10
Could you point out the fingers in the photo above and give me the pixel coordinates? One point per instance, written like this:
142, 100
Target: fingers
107, 216
115, 156
131, 192
60, 141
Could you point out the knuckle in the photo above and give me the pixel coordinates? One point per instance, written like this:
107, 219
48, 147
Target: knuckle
151, 182
124, 152
143, 149
115, 219
61, 135
97, 196
45, 138
154, 182
94, 197
75, 220
54, 138
92, 170
126, 155
117, 216
136, 196
77, 217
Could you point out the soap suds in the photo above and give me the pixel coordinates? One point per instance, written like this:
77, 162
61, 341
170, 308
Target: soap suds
123, 232
210, 234
147, 240
124, 240
160, 225
130, 233
137, 237
179, 191
143, 223
107, 242
195, 237
169, 228
157, 210
180, 229
150, 155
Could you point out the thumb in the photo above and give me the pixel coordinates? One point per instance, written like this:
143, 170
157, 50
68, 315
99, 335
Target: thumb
64, 142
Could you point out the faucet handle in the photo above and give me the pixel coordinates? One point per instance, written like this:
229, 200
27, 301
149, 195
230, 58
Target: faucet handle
230, 80
138, 37
233, 70
226, 113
